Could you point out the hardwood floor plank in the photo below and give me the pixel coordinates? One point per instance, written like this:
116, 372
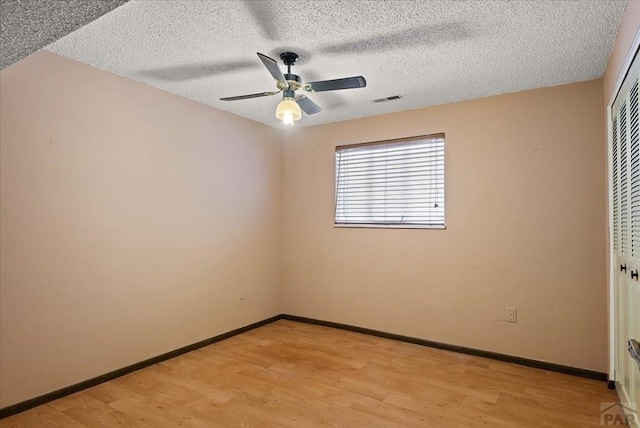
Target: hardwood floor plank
95, 413
41, 416
290, 374
154, 413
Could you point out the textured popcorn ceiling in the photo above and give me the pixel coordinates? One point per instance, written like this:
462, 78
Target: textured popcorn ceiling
29, 25
429, 52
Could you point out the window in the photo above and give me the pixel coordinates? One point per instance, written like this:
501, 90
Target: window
396, 183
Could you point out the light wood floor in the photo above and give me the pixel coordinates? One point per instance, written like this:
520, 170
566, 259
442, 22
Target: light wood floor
291, 374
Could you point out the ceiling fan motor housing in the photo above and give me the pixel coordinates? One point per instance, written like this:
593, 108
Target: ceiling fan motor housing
294, 81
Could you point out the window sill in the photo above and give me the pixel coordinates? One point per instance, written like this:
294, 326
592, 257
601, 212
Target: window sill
391, 226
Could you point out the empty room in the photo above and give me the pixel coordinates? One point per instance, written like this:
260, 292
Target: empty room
254, 213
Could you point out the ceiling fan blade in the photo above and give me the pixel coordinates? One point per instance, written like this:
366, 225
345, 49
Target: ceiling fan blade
335, 84
308, 106
246, 97
273, 68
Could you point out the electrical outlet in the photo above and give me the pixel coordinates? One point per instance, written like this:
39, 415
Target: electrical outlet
241, 296
512, 314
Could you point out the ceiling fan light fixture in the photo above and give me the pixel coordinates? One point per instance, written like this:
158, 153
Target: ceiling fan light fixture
288, 111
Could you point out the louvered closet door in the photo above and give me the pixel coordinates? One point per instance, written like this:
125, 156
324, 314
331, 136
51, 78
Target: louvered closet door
625, 200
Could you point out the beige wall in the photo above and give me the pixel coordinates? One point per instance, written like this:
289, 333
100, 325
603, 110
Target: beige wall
525, 228
130, 218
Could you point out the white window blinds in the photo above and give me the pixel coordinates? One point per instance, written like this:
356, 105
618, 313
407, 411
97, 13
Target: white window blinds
398, 182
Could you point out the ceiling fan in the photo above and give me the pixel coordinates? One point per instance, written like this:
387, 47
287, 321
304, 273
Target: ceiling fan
289, 108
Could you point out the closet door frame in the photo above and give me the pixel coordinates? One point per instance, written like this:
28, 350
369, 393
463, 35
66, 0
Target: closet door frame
612, 255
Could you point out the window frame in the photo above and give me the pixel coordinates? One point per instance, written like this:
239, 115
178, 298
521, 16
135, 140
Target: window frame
434, 136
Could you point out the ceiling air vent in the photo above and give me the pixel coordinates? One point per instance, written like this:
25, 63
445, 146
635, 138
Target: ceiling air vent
391, 98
